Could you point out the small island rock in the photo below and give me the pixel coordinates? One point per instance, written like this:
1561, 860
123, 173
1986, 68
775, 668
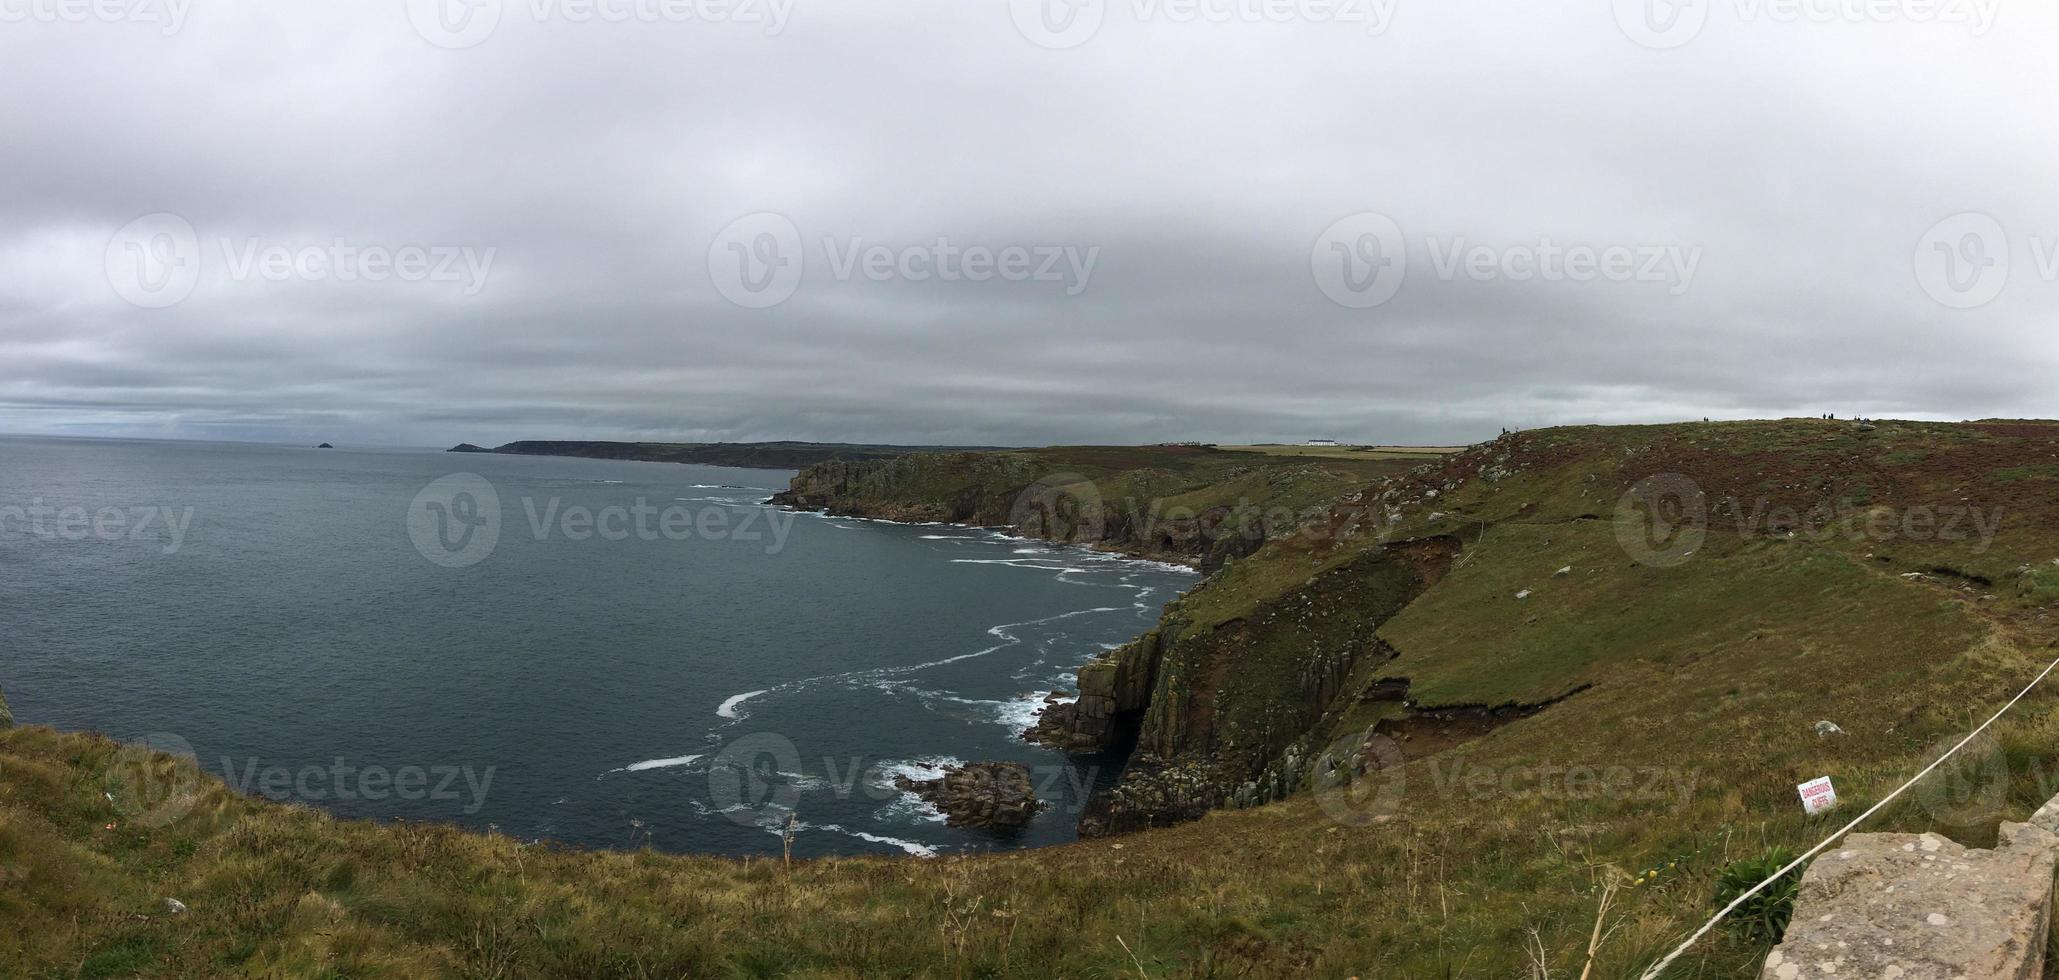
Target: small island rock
987, 795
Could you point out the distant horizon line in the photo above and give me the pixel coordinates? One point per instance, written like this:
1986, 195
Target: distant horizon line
438, 447
441, 447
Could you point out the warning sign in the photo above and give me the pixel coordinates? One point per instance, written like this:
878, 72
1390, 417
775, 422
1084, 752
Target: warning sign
1817, 795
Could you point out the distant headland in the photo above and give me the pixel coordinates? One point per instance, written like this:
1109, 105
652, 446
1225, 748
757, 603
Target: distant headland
761, 455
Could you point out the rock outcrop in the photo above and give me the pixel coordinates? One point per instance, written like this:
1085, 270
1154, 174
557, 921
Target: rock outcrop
1236, 712
1115, 687
987, 795
1920, 907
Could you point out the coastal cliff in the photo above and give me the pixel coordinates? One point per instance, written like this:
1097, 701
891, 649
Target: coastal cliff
1234, 711
1236, 692
1190, 504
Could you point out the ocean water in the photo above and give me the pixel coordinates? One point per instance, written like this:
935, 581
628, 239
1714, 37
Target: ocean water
601, 653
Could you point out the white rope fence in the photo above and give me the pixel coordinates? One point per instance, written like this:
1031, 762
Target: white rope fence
1660, 966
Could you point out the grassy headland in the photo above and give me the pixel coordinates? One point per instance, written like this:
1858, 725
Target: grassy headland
1173, 502
1422, 735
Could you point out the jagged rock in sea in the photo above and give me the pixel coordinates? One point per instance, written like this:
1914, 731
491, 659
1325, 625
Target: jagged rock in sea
466, 447
1114, 686
987, 795
325, 446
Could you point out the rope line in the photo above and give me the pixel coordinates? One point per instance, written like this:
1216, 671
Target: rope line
1660, 966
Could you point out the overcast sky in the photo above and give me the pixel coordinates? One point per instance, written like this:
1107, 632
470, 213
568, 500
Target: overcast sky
971, 221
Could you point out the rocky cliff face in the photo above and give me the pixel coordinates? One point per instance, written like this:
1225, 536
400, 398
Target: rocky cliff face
1236, 713
961, 488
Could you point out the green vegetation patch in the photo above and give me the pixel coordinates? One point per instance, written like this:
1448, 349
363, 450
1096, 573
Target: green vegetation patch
2035, 471
1470, 640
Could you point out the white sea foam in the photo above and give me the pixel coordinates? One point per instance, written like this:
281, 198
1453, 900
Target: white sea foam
708, 811
1020, 713
655, 764
802, 780
908, 806
1029, 563
779, 828
886, 678
925, 768
729, 707
919, 850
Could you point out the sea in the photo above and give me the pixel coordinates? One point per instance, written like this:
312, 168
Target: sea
597, 653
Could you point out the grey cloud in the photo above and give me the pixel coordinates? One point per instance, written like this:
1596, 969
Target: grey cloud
1201, 161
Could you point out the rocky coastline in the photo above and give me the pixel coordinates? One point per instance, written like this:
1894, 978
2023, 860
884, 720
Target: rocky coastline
1021, 493
1214, 710
994, 796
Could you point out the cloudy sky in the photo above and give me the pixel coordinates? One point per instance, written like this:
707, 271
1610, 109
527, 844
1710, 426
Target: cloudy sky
415, 222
